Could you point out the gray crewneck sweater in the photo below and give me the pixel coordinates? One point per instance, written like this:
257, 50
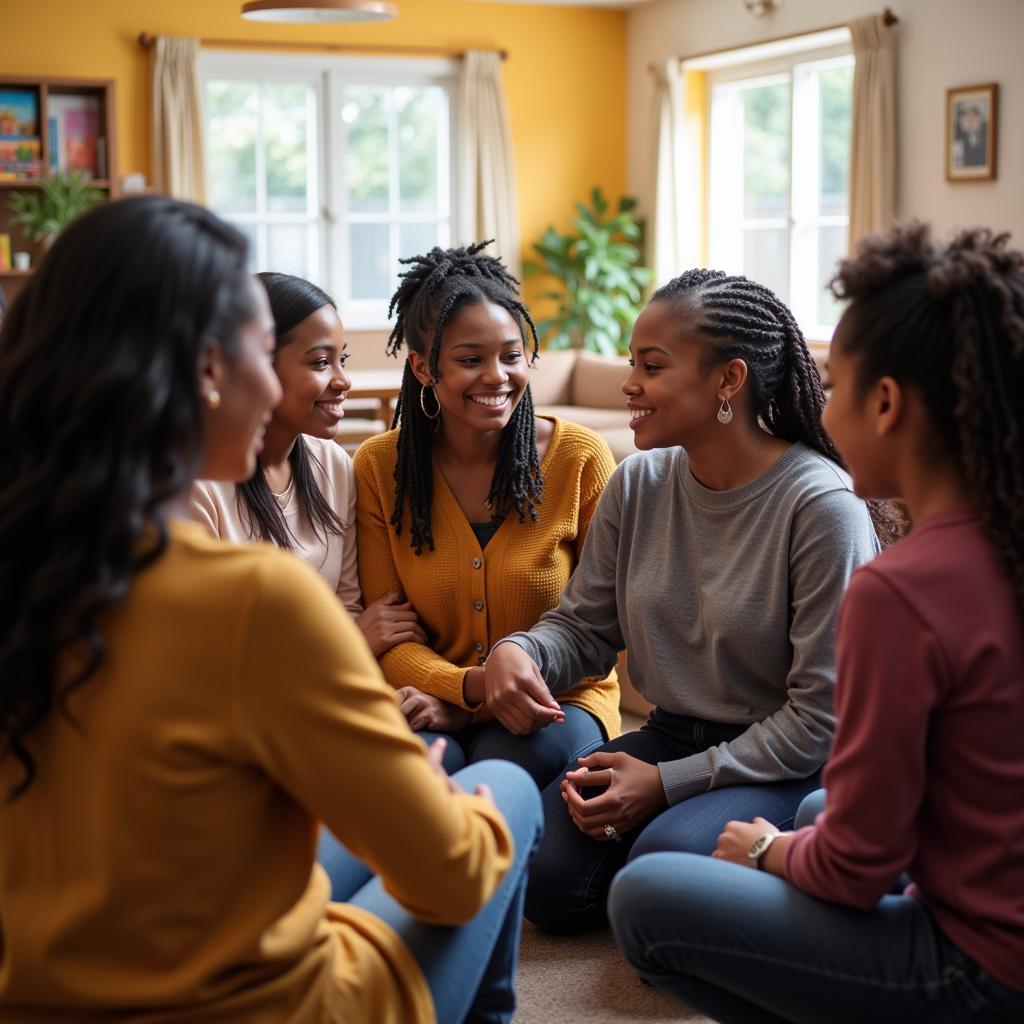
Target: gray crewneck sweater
726, 602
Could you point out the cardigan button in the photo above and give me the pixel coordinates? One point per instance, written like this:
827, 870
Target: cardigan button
478, 605
477, 563
478, 647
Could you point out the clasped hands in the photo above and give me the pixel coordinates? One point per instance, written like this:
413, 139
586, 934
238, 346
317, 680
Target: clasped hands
512, 687
633, 794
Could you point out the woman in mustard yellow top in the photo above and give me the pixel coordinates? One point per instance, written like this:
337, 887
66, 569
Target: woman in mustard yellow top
476, 510
176, 712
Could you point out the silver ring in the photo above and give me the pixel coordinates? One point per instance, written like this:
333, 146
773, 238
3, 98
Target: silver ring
609, 831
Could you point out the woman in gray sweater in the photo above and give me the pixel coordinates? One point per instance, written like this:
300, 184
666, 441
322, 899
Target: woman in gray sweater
717, 557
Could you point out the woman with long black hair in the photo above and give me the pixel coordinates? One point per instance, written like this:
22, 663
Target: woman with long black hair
177, 713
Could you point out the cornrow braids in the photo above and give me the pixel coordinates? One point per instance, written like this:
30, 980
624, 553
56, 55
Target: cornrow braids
429, 296
950, 322
745, 320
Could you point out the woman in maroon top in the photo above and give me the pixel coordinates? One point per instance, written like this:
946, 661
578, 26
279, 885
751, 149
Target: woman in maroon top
927, 771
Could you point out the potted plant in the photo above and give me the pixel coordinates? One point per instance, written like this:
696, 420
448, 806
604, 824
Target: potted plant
600, 281
45, 211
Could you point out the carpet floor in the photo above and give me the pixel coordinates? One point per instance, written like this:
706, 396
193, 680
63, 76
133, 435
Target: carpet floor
582, 979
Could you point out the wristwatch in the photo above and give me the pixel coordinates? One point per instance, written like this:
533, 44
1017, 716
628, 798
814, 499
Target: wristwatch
759, 847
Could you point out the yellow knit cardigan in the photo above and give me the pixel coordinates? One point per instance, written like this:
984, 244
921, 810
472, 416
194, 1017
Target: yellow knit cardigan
467, 598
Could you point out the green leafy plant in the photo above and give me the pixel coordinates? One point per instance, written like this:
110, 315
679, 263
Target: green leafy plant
45, 211
600, 281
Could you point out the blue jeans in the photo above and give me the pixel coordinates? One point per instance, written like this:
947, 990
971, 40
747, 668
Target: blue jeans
469, 969
544, 753
571, 873
746, 947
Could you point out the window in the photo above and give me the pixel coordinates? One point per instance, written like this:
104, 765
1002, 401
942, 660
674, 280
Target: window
779, 159
333, 167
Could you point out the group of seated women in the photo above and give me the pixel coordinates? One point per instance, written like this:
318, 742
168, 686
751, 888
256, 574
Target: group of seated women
232, 793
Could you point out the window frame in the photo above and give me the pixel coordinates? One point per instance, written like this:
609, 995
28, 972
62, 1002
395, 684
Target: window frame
328, 75
802, 221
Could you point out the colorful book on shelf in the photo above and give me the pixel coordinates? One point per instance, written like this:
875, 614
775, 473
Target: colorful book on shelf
80, 130
5, 251
19, 112
20, 158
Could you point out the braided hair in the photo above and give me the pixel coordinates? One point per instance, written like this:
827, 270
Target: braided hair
745, 320
430, 295
949, 322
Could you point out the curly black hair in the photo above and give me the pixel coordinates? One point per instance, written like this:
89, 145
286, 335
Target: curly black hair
432, 292
102, 423
949, 321
745, 320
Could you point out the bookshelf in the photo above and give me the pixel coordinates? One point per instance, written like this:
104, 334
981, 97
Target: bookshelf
48, 125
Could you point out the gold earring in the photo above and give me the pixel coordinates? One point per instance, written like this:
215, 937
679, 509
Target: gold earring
423, 405
213, 399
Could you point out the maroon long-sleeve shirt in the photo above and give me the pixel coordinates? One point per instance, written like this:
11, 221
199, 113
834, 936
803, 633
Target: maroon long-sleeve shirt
927, 770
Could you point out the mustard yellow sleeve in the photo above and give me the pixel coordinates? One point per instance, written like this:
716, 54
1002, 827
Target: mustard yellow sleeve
312, 711
408, 664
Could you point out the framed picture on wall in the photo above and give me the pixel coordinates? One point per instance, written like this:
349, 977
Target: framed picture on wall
972, 126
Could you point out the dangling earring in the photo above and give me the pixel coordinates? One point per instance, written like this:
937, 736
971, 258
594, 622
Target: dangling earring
213, 399
725, 412
423, 405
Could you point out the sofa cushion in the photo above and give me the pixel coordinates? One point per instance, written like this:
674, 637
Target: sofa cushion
612, 425
551, 377
597, 381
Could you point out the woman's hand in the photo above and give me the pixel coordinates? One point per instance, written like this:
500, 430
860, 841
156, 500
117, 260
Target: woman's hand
738, 836
389, 621
633, 796
435, 758
517, 694
423, 711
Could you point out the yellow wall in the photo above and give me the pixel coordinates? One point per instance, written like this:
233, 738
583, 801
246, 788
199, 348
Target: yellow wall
565, 76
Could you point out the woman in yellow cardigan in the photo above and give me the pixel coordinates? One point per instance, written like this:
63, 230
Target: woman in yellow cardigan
476, 510
177, 712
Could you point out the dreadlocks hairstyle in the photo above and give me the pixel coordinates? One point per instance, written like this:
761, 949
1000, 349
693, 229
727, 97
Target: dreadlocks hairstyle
745, 320
292, 300
949, 322
431, 293
126, 303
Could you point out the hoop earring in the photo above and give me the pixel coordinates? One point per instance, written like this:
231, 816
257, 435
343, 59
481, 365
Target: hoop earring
725, 412
213, 399
423, 405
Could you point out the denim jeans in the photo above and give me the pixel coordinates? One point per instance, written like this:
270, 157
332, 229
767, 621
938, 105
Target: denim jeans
470, 969
544, 753
746, 947
571, 873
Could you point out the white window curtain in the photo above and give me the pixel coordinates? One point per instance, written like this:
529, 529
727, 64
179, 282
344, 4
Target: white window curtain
178, 168
488, 200
873, 128
669, 246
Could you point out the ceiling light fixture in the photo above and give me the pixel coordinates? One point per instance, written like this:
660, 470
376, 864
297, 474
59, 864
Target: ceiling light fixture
761, 7
318, 12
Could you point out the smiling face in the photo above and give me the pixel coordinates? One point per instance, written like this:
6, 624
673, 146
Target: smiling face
482, 368
248, 390
311, 369
671, 394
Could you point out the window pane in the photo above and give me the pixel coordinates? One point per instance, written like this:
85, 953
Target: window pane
366, 134
766, 151
285, 112
831, 249
371, 270
416, 239
766, 258
419, 113
836, 86
287, 249
232, 115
